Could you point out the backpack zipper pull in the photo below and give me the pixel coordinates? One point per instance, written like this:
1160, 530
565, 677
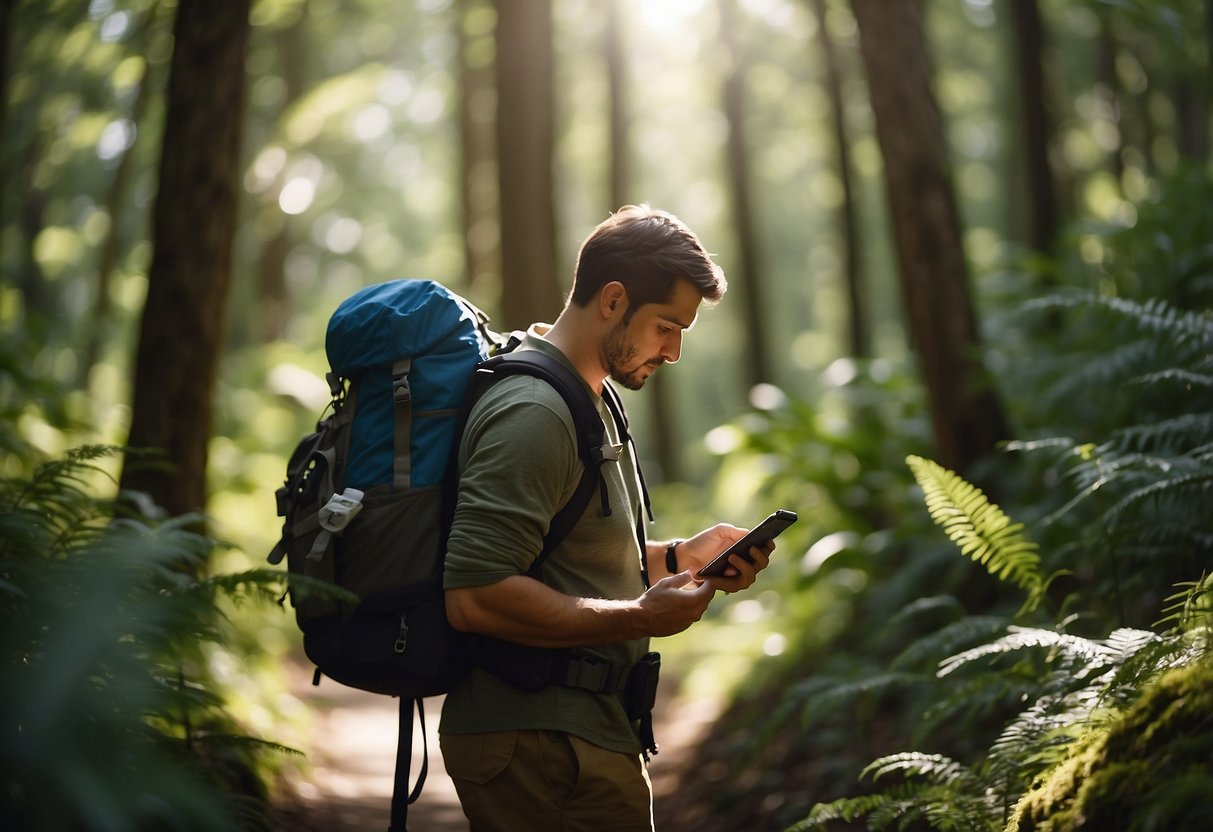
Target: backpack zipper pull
403, 638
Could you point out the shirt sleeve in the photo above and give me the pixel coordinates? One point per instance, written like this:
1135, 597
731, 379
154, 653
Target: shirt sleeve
520, 465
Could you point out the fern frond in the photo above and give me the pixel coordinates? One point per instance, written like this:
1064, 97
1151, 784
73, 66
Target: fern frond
1038, 739
241, 741
829, 696
1126, 642
980, 528
1064, 443
1085, 650
1184, 431
973, 702
1101, 369
1170, 487
944, 810
947, 639
936, 768
1154, 317
1175, 375
924, 609
844, 809
1190, 606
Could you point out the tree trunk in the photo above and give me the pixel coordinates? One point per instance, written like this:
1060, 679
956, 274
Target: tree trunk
965, 413
478, 167
525, 127
1192, 99
1106, 77
858, 336
7, 7
273, 299
1028, 39
193, 230
746, 275
620, 173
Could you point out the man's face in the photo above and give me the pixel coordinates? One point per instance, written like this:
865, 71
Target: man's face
652, 336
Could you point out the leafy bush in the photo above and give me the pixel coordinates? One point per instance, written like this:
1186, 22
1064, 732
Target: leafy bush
1093, 704
110, 721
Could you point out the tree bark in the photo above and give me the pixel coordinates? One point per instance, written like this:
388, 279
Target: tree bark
273, 299
618, 124
1028, 39
525, 127
1192, 97
858, 335
746, 275
194, 227
965, 413
477, 168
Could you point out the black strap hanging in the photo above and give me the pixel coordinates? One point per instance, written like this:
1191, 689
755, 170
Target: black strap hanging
401, 796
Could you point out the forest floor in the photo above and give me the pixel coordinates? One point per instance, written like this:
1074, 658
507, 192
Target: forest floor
348, 783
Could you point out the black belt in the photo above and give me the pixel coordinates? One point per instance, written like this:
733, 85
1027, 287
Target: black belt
590, 673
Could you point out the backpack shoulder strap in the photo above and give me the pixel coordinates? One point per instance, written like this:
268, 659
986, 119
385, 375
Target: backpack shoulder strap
593, 445
615, 404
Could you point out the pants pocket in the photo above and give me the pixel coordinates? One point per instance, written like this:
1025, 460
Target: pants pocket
477, 758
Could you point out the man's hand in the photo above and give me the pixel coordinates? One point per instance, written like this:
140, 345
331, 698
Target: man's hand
674, 603
698, 551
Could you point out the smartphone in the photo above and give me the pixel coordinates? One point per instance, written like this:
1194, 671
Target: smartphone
765, 531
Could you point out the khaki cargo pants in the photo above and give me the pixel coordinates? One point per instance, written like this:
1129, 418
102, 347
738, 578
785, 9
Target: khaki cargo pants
523, 781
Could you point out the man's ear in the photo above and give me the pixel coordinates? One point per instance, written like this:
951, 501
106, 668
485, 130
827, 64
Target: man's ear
613, 299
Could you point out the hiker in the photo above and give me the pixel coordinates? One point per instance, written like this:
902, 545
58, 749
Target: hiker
564, 752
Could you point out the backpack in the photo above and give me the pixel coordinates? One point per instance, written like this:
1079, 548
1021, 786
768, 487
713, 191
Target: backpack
369, 495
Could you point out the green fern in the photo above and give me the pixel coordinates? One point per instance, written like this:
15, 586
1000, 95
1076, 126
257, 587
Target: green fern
1190, 608
980, 528
1079, 651
948, 639
824, 695
948, 798
103, 634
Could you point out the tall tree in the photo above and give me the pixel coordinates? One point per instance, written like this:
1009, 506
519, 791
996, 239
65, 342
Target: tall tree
1028, 39
747, 273
858, 335
273, 301
1192, 89
618, 122
525, 142
194, 227
477, 164
966, 415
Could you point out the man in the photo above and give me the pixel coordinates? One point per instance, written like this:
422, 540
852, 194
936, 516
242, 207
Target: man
565, 756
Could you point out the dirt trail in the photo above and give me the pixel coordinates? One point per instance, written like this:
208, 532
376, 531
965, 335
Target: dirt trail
349, 785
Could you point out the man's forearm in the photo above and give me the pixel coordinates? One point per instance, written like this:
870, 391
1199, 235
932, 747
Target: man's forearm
526, 611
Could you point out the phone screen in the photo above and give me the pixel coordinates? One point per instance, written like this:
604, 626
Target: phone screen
768, 529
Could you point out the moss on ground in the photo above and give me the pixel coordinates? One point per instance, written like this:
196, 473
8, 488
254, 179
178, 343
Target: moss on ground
1151, 769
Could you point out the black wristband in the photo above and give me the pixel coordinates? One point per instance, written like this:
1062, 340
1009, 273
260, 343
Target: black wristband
671, 557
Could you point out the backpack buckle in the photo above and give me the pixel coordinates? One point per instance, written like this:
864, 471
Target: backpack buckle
608, 453
401, 391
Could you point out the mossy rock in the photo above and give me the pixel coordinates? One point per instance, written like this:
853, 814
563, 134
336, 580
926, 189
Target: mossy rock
1150, 769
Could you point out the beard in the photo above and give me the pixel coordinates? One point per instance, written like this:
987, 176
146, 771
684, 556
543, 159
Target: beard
619, 353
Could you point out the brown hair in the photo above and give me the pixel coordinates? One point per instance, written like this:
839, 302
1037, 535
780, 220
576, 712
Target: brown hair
647, 251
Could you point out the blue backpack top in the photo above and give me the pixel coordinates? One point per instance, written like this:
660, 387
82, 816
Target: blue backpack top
413, 343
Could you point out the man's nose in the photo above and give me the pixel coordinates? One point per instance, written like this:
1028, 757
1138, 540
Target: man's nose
673, 348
